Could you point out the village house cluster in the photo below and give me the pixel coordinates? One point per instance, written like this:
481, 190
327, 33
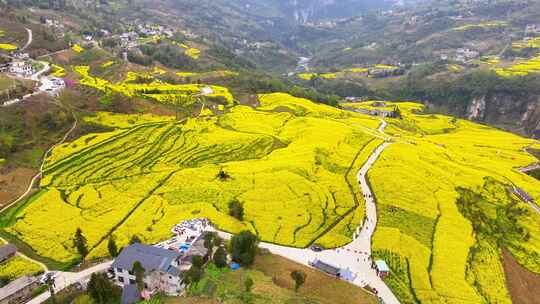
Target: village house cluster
463, 55
164, 263
131, 39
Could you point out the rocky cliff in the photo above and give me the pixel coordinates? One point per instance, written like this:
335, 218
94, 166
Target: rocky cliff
516, 114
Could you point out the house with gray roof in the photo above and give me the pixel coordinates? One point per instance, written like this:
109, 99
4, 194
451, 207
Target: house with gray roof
161, 268
325, 267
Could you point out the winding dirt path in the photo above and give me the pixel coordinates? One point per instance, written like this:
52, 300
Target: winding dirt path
38, 175
33, 182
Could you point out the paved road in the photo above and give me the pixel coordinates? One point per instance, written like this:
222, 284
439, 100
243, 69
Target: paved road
35, 77
354, 256
64, 279
46, 68
29, 41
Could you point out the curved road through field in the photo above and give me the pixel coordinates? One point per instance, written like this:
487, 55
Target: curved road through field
355, 256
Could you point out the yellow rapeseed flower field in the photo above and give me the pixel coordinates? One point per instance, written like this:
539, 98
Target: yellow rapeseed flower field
482, 25
7, 47
155, 90
77, 48
17, 266
416, 181
521, 68
193, 53
442, 188
151, 173
58, 71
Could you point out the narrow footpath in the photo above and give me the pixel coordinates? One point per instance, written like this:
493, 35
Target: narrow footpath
33, 182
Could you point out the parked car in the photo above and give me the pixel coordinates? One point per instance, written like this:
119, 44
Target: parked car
317, 248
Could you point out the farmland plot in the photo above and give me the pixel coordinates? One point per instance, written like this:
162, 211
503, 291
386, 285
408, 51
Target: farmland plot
288, 162
445, 210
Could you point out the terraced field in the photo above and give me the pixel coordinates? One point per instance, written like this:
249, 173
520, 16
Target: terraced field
288, 161
444, 206
521, 68
154, 90
445, 210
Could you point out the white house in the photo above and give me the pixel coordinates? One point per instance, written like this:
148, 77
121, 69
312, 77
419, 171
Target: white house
161, 268
21, 68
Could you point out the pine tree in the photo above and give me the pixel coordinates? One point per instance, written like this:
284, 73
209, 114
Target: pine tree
113, 248
220, 257
139, 270
100, 288
80, 243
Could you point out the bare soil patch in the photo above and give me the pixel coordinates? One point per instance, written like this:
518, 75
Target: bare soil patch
13, 183
325, 288
523, 285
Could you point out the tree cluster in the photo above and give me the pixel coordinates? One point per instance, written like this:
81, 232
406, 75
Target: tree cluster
244, 248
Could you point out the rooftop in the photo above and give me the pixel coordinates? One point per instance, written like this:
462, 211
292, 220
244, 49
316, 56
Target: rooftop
326, 267
150, 257
382, 266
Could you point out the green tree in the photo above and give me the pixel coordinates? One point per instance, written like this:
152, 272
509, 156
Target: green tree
299, 278
397, 112
139, 270
194, 274
135, 239
50, 286
209, 241
220, 257
248, 284
236, 210
197, 261
113, 248
244, 247
80, 243
100, 288
222, 175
